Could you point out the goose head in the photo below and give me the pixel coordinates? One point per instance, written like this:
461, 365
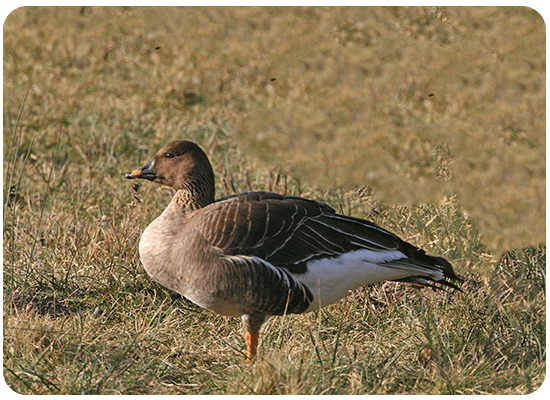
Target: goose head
184, 166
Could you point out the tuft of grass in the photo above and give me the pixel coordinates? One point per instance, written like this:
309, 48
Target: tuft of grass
80, 315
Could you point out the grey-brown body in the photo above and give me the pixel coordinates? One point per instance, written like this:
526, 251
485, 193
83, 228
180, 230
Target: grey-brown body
259, 254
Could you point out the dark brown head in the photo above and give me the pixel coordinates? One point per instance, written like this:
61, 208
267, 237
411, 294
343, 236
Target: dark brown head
183, 166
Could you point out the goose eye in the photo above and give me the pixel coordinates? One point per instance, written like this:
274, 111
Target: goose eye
169, 155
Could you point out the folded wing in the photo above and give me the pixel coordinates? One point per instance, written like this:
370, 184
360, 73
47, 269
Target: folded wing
288, 231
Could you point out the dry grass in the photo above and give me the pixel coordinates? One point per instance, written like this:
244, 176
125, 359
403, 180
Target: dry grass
81, 316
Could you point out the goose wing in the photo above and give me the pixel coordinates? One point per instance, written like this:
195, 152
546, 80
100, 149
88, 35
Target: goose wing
288, 231
266, 239
285, 231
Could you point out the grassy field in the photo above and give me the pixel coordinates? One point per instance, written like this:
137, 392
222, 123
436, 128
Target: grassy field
92, 93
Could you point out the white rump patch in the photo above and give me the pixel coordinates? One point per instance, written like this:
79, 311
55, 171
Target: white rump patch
330, 279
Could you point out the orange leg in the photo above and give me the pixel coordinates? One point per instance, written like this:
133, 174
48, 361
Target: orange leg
251, 339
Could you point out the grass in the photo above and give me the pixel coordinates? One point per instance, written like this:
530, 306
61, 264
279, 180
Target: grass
90, 99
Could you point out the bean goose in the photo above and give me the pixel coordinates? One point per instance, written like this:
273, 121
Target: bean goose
258, 254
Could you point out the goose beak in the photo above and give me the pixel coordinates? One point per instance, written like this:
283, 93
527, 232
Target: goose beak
145, 172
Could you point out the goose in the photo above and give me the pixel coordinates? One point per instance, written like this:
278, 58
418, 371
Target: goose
260, 254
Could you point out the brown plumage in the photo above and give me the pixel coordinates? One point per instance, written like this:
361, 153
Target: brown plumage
259, 254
